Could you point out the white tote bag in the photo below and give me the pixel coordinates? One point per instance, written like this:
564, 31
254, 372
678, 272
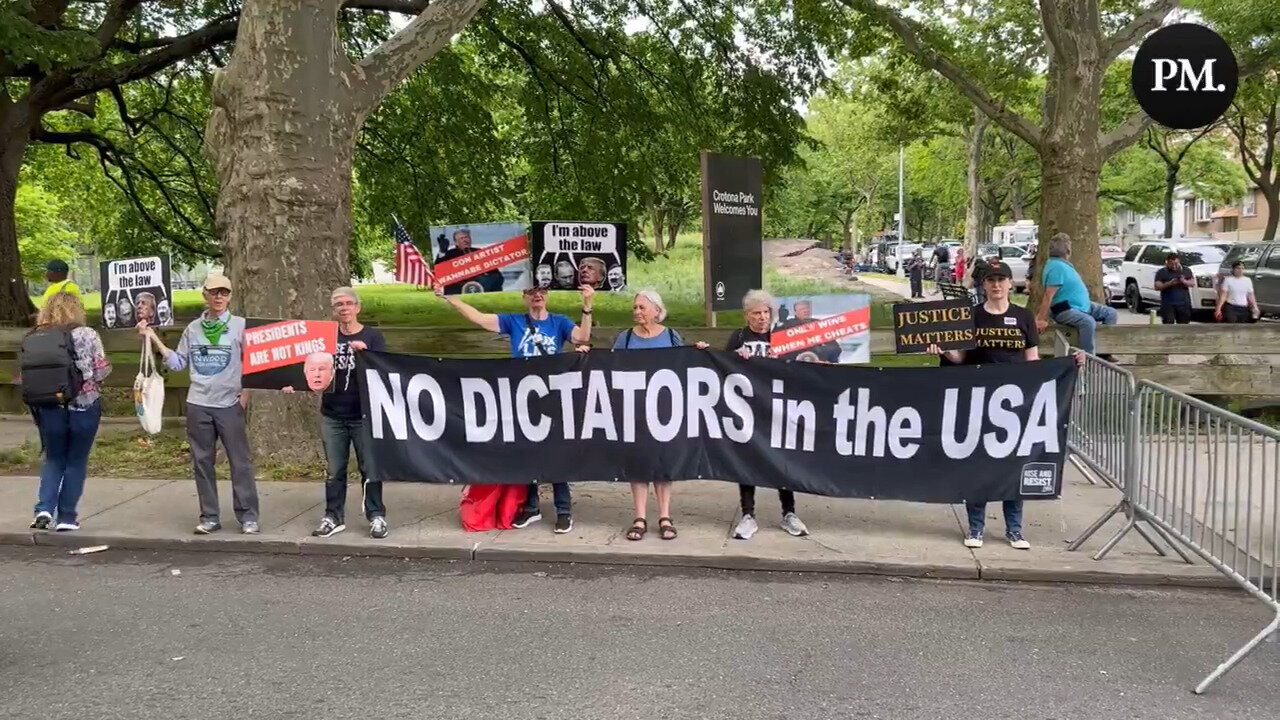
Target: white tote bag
148, 391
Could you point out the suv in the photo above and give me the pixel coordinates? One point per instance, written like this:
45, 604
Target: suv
1138, 271
1261, 262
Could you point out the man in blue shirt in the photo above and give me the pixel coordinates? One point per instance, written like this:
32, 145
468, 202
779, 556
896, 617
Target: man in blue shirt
1067, 299
533, 333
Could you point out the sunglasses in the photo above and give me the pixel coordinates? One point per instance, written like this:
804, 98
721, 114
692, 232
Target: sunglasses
219, 292
534, 291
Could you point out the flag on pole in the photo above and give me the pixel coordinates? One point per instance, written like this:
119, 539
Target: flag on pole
410, 267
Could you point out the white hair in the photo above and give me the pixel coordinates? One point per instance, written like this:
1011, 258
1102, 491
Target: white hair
655, 300
345, 292
324, 357
759, 297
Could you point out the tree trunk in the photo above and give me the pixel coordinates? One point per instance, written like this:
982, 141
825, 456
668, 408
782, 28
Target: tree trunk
973, 218
15, 302
674, 225
1272, 196
1017, 203
656, 213
1170, 185
281, 138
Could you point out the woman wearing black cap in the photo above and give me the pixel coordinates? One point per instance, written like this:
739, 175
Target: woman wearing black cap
1003, 333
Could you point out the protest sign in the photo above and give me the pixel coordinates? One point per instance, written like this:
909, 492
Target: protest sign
289, 353
136, 289
569, 254
484, 257
979, 433
946, 323
825, 328
732, 256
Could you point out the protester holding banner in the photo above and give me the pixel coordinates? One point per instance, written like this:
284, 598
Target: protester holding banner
748, 342
341, 425
648, 311
1003, 333
212, 345
533, 333
66, 431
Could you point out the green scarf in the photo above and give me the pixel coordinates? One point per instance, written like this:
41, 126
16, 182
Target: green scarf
213, 330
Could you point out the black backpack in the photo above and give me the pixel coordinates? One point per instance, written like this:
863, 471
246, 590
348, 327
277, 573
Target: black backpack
47, 361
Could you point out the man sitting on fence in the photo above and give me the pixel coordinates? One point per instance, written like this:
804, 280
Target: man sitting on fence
1067, 299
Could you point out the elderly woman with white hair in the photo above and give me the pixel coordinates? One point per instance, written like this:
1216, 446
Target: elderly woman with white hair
748, 342
649, 333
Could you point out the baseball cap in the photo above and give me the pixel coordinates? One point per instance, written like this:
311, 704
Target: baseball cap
214, 282
999, 270
57, 266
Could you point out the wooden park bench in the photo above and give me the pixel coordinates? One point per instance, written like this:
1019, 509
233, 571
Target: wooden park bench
954, 291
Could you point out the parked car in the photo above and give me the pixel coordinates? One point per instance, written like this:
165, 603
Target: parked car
1112, 280
1138, 270
1111, 251
1261, 262
891, 257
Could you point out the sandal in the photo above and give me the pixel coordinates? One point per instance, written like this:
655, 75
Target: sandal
667, 528
638, 528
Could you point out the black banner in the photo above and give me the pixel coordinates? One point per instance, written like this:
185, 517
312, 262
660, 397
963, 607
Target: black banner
945, 323
731, 230
994, 432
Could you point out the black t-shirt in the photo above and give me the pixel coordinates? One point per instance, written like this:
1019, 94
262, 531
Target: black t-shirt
756, 343
942, 254
1178, 294
343, 402
1002, 338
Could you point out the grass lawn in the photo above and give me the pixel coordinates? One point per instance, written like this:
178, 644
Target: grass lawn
677, 277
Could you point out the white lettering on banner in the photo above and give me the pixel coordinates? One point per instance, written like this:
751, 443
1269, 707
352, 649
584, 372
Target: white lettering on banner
478, 431
532, 385
736, 389
565, 384
418, 384
698, 402
629, 382
704, 393
386, 405
599, 412
669, 381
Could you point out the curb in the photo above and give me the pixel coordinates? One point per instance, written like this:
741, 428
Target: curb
476, 552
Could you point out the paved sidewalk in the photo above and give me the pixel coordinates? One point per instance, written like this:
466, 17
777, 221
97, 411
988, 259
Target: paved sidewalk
848, 536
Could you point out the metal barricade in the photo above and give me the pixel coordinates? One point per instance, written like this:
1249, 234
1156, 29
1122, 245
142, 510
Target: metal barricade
1209, 479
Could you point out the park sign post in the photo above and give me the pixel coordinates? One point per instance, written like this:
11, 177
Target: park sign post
731, 231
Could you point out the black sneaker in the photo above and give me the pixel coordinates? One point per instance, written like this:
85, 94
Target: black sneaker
564, 523
526, 517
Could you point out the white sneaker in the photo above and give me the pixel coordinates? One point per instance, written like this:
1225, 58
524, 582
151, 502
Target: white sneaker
792, 524
746, 528
66, 527
973, 540
1017, 542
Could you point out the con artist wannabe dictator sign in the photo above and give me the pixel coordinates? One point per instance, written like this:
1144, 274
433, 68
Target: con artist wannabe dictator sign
995, 432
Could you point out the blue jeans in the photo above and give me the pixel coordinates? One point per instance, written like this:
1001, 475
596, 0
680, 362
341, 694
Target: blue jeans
67, 435
1086, 323
1012, 517
559, 494
338, 437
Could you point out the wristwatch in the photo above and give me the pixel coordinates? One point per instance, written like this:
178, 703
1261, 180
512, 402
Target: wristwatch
586, 311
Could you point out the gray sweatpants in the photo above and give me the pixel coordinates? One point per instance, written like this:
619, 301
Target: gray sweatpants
205, 426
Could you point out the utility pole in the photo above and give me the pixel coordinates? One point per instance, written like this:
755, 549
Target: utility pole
902, 218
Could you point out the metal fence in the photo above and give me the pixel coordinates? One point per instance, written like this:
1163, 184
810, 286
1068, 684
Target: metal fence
1193, 475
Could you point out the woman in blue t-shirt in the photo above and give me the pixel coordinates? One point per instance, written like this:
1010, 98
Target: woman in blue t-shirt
648, 312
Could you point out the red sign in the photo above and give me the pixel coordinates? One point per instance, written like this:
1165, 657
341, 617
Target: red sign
784, 341
287, 342
490, 257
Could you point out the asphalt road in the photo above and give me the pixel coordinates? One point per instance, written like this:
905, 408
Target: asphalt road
117, 635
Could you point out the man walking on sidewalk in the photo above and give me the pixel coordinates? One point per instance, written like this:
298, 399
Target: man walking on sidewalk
212, 345
533, 333
341, 425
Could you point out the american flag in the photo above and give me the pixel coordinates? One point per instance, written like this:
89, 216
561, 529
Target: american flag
410, 267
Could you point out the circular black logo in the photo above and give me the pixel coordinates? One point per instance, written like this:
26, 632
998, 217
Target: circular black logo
1184, 76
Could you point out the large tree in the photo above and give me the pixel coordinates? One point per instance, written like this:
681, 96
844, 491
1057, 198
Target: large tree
1080, 40
1254, 121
